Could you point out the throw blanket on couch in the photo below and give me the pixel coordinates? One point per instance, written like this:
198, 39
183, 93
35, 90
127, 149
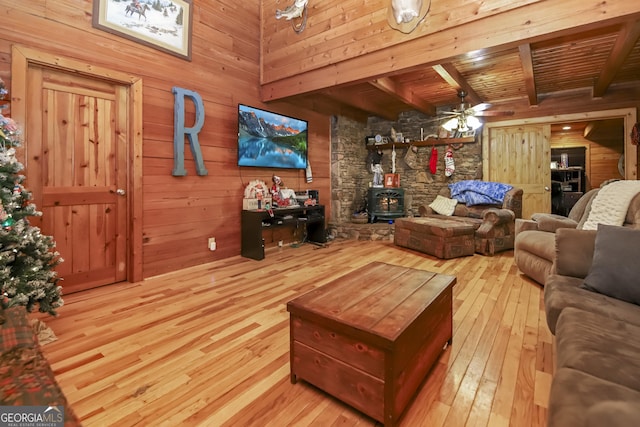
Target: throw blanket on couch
479, 192
610, 205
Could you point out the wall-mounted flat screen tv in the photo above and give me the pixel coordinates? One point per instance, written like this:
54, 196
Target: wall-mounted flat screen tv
271, 140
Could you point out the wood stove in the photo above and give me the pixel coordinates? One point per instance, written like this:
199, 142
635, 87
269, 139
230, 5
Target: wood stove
385, 203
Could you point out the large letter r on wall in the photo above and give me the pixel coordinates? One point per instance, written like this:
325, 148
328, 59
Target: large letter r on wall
179, 132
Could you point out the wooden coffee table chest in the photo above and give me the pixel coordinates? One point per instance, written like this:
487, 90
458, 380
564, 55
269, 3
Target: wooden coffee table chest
370, 337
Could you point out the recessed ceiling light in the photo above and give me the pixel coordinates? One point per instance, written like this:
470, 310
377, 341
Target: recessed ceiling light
566, 127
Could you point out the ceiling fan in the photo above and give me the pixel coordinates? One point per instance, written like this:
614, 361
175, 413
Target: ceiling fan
465, 115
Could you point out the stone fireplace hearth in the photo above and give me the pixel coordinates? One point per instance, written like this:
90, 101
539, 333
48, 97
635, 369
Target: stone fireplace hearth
350, 176
352, 231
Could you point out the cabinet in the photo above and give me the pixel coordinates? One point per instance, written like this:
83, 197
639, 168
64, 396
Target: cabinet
310, 219
571, 187
570, 179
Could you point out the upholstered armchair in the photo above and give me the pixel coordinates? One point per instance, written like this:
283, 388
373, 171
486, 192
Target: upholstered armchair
535, 249
494, 223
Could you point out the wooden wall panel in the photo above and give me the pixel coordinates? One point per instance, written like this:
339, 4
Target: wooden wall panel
604, 163
180, 213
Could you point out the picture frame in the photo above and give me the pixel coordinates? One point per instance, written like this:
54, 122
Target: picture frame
391, 180
469, 133
168, 30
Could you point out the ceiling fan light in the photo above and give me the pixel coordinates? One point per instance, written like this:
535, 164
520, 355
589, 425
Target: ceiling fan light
451, 124
473, 122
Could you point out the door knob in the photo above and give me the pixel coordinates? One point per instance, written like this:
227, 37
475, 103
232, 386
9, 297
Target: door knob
120, 192
545, 189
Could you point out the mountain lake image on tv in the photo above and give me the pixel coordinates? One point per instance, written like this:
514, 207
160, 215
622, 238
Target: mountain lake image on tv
271, 140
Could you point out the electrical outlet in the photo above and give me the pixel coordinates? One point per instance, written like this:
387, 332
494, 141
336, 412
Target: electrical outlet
212, 243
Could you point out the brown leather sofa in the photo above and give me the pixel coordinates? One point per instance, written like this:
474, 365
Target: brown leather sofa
494, 224
534, 248
597, 380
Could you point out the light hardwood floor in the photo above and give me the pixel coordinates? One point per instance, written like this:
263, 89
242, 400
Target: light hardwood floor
209, 345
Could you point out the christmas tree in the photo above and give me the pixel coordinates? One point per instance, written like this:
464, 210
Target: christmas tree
27, 258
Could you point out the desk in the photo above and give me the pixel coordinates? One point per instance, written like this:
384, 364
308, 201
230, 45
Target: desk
253, 222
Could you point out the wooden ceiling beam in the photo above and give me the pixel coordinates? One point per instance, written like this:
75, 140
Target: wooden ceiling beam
404, 94
527, 71
342, 95
588, 129
452, 76
570, 102
330, 107
625, 42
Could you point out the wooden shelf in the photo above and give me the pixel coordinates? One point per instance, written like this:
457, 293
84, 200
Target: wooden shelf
426, 143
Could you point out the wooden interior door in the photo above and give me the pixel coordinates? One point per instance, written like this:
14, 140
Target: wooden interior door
521, 156
76, 167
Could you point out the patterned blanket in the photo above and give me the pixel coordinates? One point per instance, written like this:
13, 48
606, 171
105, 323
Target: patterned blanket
610, 205
472, 192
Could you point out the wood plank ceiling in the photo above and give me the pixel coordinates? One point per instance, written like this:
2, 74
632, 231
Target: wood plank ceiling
595, 61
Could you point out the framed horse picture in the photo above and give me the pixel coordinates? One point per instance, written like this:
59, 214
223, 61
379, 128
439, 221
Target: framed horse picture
163, 25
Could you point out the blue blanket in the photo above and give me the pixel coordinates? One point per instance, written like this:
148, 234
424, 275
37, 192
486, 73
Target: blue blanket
479, 192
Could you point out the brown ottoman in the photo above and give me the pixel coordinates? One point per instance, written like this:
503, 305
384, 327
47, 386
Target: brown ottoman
442, 238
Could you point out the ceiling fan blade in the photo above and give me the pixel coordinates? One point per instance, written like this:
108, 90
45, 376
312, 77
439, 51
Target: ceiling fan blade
481, 107
494, 113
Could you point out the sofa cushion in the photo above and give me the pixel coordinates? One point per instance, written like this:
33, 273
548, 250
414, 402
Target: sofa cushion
599, 346
561, 292
551, 222
477, 211
615, 268
443, 205
537, 243
582, 206
15, 330
574, 252
574, 392
613, 414
633, 213
535, 267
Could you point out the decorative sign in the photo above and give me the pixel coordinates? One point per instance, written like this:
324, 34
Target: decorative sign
179, 132
35, 416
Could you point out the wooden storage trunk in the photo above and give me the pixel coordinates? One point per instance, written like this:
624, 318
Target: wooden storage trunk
370, 337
